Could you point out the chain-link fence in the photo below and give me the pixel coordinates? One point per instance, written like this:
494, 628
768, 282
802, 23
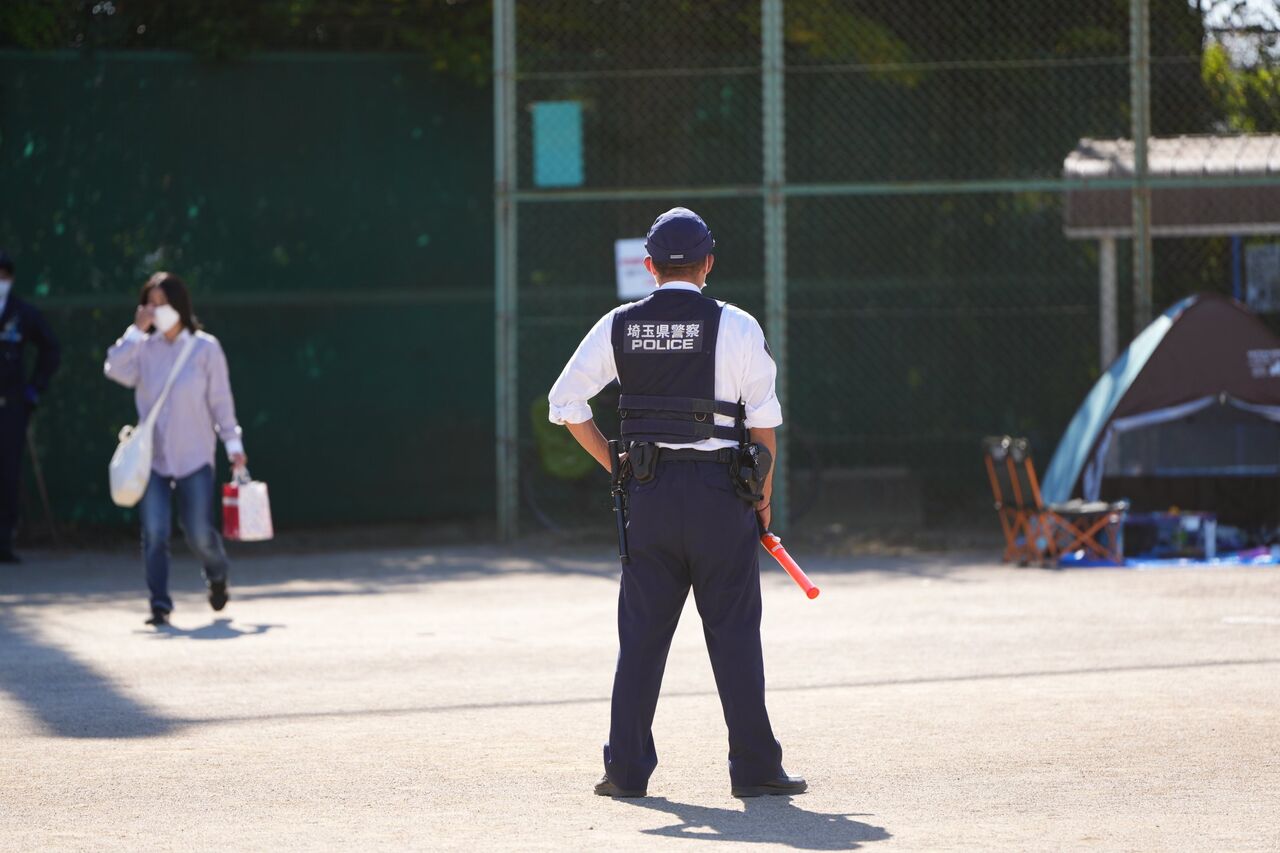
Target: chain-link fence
305, 201
929, 294
885, 180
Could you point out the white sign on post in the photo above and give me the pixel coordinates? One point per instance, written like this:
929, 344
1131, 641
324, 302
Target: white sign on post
634, 281
1262, 277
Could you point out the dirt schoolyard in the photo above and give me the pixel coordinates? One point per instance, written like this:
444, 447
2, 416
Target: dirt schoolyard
457, 698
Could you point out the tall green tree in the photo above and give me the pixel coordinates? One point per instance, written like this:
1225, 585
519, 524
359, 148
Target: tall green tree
454, 32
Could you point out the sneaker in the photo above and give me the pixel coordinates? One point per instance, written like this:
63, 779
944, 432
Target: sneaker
218, 597
159, 617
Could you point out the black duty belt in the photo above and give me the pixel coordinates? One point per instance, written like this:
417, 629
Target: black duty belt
671, 454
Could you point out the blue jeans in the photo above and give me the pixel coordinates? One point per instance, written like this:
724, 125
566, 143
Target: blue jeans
195, 514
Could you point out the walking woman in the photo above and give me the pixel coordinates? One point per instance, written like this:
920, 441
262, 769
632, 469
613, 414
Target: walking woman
199, 410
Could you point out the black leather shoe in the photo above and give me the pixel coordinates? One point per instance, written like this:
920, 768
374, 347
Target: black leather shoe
159, 617
218, 595
605, 788
784, 785
7, 556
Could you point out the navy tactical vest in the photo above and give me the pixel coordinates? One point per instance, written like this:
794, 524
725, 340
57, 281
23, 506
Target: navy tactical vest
665, 349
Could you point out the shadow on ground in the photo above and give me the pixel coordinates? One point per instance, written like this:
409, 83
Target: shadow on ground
71, 699
767, 820
68, 578
79, 577
218, 629
67, 696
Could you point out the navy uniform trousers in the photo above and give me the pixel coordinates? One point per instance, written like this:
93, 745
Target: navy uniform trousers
689, 529
13, 440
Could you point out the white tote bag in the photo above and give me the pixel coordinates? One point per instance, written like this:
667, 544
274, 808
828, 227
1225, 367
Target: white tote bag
130, 468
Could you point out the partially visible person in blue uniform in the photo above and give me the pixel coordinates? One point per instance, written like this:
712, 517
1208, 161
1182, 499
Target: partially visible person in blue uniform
20, 325
697, 393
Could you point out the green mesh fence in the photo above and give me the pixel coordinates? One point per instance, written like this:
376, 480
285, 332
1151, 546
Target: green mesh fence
331, 217
932, 295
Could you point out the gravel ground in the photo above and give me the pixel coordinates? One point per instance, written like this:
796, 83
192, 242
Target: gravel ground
456, 698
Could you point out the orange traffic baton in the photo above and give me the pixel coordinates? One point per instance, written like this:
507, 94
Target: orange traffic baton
773, 544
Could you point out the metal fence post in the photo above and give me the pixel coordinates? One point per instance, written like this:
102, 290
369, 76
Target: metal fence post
1140, 107
504, 297
773, 60
1107, 338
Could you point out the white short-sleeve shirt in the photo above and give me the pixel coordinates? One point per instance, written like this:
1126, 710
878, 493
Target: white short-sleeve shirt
744, 371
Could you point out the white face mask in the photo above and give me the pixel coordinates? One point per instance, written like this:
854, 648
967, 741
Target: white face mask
166, 317
5, 285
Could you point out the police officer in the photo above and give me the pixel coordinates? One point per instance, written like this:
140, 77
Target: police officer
20, 324
697, 390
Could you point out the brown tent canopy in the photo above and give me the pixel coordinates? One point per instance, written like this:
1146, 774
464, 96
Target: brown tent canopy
1195, 397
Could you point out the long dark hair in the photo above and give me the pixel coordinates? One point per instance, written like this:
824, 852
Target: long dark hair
175, 290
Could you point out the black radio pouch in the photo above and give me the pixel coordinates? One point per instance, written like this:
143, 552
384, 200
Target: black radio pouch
750, 471
642, 458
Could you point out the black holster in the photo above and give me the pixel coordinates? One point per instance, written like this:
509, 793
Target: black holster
642, 460
750, 471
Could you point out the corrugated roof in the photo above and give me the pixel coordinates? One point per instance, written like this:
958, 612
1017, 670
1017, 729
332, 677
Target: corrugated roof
1177, 156
1201, 185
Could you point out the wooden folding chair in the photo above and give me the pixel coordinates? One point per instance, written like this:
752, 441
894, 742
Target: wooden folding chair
1066, 528
1018, 516
1093, 527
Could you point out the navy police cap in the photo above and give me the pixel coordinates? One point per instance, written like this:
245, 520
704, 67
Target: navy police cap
679, 236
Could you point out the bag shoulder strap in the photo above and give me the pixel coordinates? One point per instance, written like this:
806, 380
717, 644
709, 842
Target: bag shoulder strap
173, 375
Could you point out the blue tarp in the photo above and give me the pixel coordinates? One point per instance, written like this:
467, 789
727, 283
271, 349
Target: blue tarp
1256, 557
